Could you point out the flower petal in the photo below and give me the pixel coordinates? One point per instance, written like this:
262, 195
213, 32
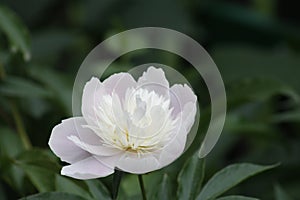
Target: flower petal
133, 163
94, 149
188, 115
120, 116
154, 80
62, 146
110, 161
181, 95
119, 83
92, 93
173, 149
87, 169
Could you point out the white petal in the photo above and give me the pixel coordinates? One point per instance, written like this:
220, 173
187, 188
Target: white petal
151, 130
188, 115
173, 149
119, 83
130, 162
154, 80
62, 146
157, 123
94, 149
87, 169
92, 93
118, 112
140, 110
110, 161
181, 95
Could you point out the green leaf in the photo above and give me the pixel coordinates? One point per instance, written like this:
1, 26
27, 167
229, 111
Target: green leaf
53, 196
16, 32
37, 165
20, 87
64, 184
12, 174
280, 194
190, 178
9, 138
228, 178
98, 189
41, 178
130, 185
164, 189
236, 198
38, 157
151, 181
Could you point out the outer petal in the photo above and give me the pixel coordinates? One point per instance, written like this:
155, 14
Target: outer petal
87, 169
92, 93
132, 163
173, 149
177, 145
119, 83
184, 103
181, 95
188, 115
155, 80
98, 149
62, 146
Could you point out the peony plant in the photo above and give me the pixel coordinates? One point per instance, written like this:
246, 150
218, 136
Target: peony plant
134, 126
138, 127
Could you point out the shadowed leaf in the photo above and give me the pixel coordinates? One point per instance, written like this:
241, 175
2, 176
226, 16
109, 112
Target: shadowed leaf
228, 178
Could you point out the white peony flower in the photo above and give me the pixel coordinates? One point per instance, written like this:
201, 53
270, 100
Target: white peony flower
136, 127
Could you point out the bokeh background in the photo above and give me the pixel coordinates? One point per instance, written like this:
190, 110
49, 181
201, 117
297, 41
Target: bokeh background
255, 44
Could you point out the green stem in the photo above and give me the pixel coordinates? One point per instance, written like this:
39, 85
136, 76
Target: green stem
142, 187
116, 183
20, 127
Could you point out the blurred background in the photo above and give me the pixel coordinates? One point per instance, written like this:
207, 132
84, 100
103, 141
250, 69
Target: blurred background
255, 44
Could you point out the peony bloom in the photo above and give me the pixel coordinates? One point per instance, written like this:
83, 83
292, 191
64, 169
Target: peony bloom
135, 126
